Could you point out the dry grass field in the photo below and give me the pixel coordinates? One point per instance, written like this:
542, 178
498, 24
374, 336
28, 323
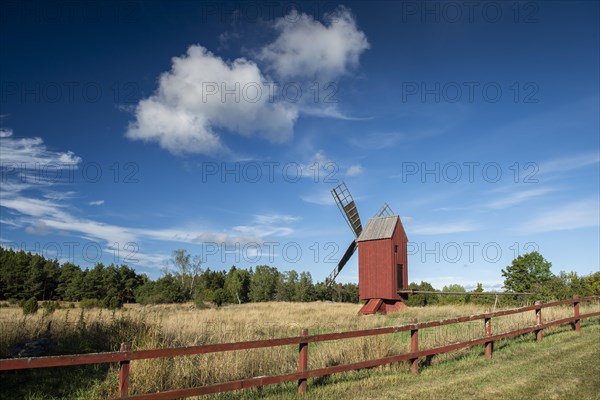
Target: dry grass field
76, 331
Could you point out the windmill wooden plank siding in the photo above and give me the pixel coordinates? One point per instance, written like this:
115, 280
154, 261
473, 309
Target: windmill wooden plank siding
382, 256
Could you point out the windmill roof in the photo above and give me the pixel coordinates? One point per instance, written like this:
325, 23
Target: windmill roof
379, 228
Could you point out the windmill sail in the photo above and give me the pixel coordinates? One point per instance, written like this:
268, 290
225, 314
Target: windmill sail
347, 207
384, 211
331, 278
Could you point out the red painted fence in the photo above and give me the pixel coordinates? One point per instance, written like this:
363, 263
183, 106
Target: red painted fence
126, 355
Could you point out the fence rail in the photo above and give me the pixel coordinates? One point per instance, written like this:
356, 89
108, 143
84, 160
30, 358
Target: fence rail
126, 355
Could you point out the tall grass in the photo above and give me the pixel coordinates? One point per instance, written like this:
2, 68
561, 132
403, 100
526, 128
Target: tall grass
147, 327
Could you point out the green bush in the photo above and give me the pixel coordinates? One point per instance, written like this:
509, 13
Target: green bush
30, 306
50, 306
89, 303
111, 302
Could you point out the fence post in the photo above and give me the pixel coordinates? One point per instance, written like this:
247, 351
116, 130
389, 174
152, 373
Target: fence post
124, 373
487, 328
302, 362
414, 346
576, 313
538, 321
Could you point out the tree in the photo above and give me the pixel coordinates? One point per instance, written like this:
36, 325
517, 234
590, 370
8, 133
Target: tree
422, 299
453, 298
34, 282
187, 269
305, 291
263, 283
237, 285
166, 289
286, 286
528, 272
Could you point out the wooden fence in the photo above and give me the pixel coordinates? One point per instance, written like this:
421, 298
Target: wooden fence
126, 355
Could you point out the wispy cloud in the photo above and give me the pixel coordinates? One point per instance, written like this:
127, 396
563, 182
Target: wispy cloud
377, 140
355, 170
322, 197
275, 219
518, 197
331, 112
59, 195
569, 163
443, 229
38, 228
30, 153
42, 210
27, 163
576, 215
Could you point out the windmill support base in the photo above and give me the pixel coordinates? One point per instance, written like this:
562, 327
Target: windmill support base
382, 306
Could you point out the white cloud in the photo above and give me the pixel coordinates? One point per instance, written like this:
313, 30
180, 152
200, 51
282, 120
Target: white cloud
518, 197
274, 219
377, 140
59, 195
322, 197
27, 163
29, 152
192, 105
4, 132
580, 214
354, 170
96, 203
442, 229
306, 48
329, 112
46, 211
569, 163
38, 228
204, 97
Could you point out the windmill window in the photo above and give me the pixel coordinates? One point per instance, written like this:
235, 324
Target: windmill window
395, 248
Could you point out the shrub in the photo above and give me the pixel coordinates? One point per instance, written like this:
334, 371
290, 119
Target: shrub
12, 301
111, 302
30, 306
89, 303
50, 306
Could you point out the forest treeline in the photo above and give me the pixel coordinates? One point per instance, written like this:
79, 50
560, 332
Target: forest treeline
25, 275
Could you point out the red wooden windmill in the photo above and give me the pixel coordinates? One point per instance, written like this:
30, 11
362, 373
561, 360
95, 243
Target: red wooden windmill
382, 255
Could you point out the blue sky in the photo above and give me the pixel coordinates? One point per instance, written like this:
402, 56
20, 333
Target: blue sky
132, 129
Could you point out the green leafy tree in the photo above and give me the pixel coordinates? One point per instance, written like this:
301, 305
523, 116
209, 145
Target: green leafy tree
323, 292
166, 289
263, 283
305, 290
286, 286
34, 282
237, 285
453, 298
422, 299
528, 272
187, 270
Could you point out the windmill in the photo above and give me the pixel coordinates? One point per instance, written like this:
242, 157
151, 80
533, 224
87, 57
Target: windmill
382, 261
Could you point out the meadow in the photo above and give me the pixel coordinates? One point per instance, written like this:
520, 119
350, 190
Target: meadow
73, 330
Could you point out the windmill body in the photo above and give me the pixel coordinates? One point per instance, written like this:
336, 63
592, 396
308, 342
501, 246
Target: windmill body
382, 265
382, 255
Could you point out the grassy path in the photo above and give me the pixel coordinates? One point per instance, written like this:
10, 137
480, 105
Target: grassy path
565, 365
